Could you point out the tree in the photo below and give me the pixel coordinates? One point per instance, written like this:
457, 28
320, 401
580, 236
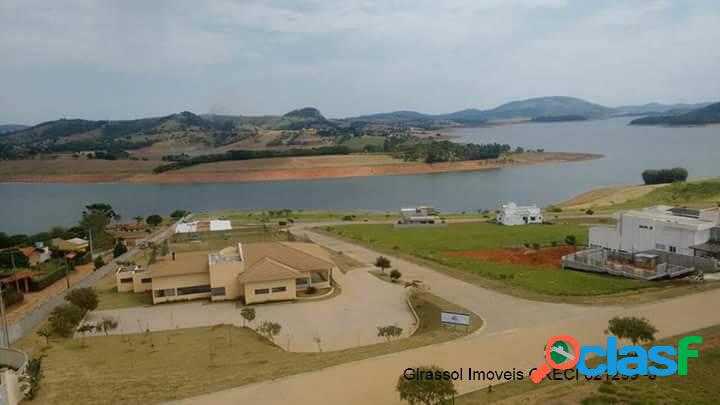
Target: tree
395, 275
570, 240
269, 330
664, 175
248, 314
119, 249
104, 209
139, 219
382, 263
426, 391
98, 262
84, 298
45, 332
154, 220
633, 328
64, 318
83, 329
177, 214
389, 332
106, 325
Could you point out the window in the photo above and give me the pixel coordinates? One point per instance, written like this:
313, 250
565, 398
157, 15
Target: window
261, 291
279, 289
673, 249
217, 291
197, 289
169, 292
660, 246
301, 282
643, 227
125, 280
146, 280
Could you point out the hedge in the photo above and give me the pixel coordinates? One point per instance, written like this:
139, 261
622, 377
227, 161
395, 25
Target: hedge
37, 284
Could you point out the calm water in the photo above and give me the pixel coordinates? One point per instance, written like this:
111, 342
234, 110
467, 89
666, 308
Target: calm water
628, 150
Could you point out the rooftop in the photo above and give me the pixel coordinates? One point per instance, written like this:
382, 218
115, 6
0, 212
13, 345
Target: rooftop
706, 218
184, 263
300, 256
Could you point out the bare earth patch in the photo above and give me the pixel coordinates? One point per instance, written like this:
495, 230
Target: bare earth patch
543, 257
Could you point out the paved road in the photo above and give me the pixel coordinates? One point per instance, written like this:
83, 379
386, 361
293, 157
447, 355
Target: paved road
514, 335
500, 312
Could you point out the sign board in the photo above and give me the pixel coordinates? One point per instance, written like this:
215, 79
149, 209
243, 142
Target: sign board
455, 318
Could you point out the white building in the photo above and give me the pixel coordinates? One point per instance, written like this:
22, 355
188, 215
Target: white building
662, 228
418, 215
512, 214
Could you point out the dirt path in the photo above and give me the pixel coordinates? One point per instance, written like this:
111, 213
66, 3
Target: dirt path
513, 335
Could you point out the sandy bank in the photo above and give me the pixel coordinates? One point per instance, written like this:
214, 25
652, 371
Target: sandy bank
229, 172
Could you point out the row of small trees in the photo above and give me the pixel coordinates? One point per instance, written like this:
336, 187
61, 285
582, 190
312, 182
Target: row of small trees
64, 319
665, 175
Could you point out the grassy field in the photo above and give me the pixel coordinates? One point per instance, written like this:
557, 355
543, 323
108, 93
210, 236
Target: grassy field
432, 245
275, 216
698, 387
695, 193
162, 366
358, 143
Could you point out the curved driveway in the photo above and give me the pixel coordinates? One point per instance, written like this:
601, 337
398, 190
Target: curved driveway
515, 332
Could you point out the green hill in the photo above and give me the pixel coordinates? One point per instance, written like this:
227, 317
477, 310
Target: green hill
701, 116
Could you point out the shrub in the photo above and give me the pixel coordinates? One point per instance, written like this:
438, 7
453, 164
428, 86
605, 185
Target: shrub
553, 208
282, 223
536, 246
347, 218
554, 243
31, 379
12, 296
98, 262
154, 220
395, 275
177, 214
49, 278
589, 211
571, 240
64, 318
84, 298
119, 249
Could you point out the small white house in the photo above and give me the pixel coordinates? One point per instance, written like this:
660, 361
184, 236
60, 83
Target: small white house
512, 214
418, 215
663, 228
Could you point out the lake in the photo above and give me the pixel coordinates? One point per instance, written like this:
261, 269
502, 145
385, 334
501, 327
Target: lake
628, 151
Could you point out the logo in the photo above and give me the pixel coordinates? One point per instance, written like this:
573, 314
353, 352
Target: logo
563, 353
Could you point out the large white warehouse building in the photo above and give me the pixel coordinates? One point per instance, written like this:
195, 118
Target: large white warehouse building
663, 228
512, 214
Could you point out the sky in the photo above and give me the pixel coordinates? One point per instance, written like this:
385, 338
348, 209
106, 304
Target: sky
131, 58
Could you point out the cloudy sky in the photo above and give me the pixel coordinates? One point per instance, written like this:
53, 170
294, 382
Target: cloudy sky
131, 58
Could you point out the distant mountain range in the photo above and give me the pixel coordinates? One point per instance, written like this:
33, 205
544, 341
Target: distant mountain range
10, 128
681, 117
212, 130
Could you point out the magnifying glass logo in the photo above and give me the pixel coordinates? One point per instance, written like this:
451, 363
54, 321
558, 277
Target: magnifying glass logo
561, 353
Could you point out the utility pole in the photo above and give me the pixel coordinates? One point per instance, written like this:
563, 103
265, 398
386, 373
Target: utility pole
12, 260
6, 335
92, 254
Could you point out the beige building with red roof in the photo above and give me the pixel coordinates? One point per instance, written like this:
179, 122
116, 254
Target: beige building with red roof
253, 272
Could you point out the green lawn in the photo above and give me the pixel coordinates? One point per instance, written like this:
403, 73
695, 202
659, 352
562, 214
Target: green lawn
432, 244
703, 193
358, 143
698, 387
176, 364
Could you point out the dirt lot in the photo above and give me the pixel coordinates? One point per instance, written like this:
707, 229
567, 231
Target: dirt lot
543, 257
